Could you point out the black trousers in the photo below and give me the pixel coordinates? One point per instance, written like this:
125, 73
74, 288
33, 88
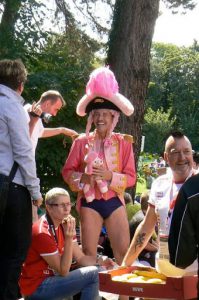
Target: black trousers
15, 237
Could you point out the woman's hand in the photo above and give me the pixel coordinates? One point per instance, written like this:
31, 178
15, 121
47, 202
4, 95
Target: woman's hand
90, 179
69, 225
105, 261
102, 173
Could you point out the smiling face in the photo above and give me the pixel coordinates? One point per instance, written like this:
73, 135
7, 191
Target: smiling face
102, 119
178, 154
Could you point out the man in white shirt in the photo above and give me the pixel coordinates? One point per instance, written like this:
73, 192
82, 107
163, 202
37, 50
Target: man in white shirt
178, 155
49, 103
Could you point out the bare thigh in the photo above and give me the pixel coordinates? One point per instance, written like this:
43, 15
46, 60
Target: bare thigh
118, 231
91, 224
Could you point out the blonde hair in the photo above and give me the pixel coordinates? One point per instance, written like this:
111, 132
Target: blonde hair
52, 95
54, 193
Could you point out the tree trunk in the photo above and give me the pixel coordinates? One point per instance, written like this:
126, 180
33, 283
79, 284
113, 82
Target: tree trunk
7, 26
129, 57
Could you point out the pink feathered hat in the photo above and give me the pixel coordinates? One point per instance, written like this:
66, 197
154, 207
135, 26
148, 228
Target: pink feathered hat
102, 92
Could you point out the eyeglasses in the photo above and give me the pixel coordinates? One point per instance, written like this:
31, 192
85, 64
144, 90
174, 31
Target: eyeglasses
63, 205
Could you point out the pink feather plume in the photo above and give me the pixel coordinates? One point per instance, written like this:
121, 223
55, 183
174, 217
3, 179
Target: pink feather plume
102, 82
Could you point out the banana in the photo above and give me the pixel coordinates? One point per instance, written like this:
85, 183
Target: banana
124, 277
119, 278
138, 279
150, 274
156, 280
131, 275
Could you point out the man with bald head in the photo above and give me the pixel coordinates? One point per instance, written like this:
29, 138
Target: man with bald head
178, 155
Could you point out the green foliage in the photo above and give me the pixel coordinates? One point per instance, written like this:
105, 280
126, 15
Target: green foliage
174, 87
64, 61
132, 209
21, 33
64, 65
145, 175
174, 75
141, 185
185, 4
156, 125
61, 62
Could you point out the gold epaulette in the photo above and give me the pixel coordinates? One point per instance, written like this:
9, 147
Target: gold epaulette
129, 138
75, 136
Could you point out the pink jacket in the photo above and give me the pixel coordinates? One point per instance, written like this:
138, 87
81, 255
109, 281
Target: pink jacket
119, 158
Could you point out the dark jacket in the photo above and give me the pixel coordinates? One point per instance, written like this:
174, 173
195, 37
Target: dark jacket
184, 230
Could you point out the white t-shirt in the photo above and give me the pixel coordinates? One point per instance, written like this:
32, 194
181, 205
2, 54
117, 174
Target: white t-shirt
163, 192
38, 129
162, 196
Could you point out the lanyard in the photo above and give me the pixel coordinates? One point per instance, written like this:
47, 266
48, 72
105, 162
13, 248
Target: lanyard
173, 201
52, 228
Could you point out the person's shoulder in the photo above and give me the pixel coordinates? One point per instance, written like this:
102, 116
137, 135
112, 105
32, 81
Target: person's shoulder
79, 137
10, 96
162, 180
191, 185
165, 177
193, 178
40, 227
13, 107
125, 137
27, 106
79, 140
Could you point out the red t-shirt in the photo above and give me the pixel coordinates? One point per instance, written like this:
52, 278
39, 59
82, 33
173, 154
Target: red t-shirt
35, 269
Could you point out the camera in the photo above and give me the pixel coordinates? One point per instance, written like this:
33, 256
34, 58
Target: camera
44, 116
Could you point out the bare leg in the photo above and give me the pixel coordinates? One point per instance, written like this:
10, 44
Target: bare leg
118, 232
91, 224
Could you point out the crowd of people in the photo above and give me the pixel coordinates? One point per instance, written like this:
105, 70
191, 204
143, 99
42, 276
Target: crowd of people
37, 258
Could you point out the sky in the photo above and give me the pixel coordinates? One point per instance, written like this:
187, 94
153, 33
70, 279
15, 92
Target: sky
177, 29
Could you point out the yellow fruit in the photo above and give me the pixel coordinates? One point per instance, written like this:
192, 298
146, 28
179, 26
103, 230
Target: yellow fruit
123, 277
118, 278
156, 280
150, 274
138, 279
131, 275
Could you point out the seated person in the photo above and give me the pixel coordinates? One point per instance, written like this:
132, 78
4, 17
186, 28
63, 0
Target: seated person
132, 207
46, 272
147, 256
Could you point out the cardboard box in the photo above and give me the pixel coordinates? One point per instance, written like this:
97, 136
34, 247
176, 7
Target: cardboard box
175, 288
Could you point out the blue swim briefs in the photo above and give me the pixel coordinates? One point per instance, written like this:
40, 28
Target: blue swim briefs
103, 207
